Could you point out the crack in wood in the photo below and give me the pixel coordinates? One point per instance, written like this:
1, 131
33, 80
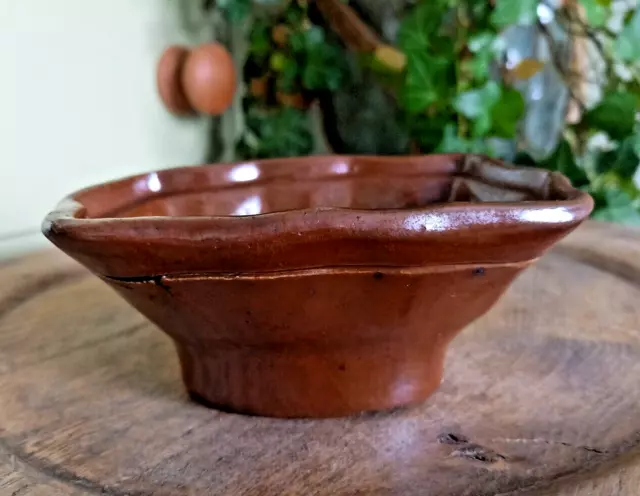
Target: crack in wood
478, 453
537, 440
452, 438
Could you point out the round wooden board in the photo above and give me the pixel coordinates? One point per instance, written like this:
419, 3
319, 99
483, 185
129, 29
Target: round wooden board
541, 394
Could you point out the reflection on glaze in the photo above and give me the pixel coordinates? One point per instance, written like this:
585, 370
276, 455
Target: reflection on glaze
427, 222
340, 167
153, 182
436, 221
404, 389
150, 182
547, 215
243, 173
250, 206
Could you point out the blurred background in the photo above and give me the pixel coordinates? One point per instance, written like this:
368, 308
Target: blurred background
78, 101
96, 90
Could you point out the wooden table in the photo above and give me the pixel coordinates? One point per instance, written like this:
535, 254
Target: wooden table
541, 395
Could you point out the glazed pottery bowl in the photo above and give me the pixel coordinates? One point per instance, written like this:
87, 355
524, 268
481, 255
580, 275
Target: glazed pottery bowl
318, 286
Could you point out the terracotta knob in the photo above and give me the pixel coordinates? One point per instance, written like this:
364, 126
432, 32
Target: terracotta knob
168, 80
209, 78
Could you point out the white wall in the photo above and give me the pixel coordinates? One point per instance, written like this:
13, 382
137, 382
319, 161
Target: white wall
78, 102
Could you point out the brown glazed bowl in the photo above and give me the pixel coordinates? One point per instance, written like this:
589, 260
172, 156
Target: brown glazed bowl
318, 286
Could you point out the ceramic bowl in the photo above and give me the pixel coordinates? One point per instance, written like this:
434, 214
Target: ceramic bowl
318, 286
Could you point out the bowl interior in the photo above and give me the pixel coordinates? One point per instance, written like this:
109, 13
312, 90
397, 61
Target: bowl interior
366, 183
369, 193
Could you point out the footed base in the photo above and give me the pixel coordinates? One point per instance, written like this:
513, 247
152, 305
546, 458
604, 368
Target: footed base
299, 383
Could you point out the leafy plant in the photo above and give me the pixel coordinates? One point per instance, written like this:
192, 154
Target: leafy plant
290, 60
235, 10
280, 132
458, 89
449, 79
459, 85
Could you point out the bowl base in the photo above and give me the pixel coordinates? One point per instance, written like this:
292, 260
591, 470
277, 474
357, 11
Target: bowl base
271, 383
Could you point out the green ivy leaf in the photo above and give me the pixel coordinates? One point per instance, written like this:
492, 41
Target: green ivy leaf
428, 79
314, 36
597, 13
627, 159
297, 41
563, 161
474, 103
623, 161
615, 115
619, 208
486, 47
322, 76
479, 65
635, 141
321, 61
478, 9
322, 71
425, 82
427, 130
604, 159
260, 40
506, 113
477, 105
281, 133
479, 145
420, 25
452, 143
294, 14
288, 76
481, 41
509, 12
627, 45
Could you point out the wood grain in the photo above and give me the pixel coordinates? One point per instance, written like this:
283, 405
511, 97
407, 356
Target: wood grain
540, 397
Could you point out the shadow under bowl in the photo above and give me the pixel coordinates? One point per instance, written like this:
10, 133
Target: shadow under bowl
317, 286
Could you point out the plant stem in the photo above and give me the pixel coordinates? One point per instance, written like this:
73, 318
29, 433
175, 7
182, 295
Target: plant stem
559, 66
460, 44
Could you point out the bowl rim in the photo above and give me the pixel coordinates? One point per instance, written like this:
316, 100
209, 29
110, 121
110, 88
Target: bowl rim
68, 226
70, 210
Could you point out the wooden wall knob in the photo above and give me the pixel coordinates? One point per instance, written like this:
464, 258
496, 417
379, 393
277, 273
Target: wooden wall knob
209, 78
168, 80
